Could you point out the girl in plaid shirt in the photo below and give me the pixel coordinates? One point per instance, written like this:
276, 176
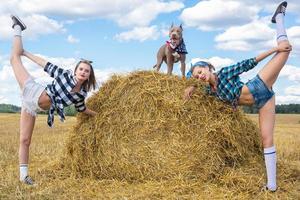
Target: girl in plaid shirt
226, 86
66, 89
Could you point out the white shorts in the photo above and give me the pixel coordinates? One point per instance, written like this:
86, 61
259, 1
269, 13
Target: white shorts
30, 96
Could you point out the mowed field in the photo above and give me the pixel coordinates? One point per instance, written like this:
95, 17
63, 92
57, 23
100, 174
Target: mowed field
48, 144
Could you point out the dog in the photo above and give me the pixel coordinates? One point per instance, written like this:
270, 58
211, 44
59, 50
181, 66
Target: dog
173, 51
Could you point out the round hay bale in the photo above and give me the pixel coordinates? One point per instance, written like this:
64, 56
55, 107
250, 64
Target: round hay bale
145, 130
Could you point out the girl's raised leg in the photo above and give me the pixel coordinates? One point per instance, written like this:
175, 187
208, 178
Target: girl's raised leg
20, 72
271, 70
27, 121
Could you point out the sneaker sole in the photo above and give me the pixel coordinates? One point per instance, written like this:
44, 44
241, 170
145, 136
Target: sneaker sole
19, 22
284, 3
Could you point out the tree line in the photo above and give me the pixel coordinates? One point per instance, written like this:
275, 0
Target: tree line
284, 108
71, 111
9, 108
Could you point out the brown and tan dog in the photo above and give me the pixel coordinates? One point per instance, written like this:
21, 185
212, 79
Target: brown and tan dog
173, 51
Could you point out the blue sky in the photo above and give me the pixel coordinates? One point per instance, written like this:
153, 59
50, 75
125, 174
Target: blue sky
124, 35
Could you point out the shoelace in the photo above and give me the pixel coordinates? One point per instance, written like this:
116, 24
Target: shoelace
28, 180
282, 10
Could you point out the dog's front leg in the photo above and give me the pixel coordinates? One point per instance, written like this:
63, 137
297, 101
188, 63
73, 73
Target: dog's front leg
170, 62
182, 62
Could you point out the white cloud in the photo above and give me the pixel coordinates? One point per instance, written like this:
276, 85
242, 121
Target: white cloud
37, 25
252, 36
293, 90
41, 25
71, 39
294, 37
287, 99
3, 99
124, 12
270, 5
218, 14
6, 31
139, 33
291, 72
147, 11
127, 13
257, 36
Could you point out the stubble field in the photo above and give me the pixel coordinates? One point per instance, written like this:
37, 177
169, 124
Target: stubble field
48, 144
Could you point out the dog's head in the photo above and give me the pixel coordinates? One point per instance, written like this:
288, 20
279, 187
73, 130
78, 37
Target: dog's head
175, 33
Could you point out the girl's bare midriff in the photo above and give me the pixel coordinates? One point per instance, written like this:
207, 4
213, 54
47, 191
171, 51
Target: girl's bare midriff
246, 97
44, 101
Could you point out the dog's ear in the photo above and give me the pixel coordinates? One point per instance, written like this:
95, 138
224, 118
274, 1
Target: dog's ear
181, 26
172, 25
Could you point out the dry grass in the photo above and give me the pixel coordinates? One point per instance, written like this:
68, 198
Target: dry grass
48, 145
146, 131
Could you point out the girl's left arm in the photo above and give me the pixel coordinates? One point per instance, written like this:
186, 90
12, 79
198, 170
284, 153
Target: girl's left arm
89, 112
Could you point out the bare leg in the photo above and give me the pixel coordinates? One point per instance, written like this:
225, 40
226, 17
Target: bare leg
271, 70
26, 128
20, 72
266, 122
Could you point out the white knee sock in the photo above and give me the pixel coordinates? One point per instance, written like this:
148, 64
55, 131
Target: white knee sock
281, 33
17, 30
270, 161
23, 171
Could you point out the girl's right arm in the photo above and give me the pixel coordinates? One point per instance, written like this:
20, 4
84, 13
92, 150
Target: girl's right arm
38, 60
266, 54
188, 92
283, 47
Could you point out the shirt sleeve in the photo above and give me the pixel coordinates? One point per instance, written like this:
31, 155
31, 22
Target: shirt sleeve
80, 106
239, 68
53, 70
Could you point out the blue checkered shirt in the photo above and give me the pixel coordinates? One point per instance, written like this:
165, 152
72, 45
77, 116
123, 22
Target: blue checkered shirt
229, 84
60, 93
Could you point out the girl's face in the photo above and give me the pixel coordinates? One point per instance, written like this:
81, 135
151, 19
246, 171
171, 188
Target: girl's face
83, 72
202, 73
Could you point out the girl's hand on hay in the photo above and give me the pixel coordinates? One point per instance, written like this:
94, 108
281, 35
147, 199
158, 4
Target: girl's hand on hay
90, 112
188, 92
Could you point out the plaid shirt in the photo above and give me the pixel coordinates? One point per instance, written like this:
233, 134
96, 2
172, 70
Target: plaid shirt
60, 93
229, 84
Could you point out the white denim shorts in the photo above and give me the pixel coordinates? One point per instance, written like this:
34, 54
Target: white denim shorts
30, 96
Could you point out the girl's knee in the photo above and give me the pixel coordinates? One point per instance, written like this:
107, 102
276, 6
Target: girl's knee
267, 140
25, 141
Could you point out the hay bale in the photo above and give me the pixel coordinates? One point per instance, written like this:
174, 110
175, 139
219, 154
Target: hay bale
146, 131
